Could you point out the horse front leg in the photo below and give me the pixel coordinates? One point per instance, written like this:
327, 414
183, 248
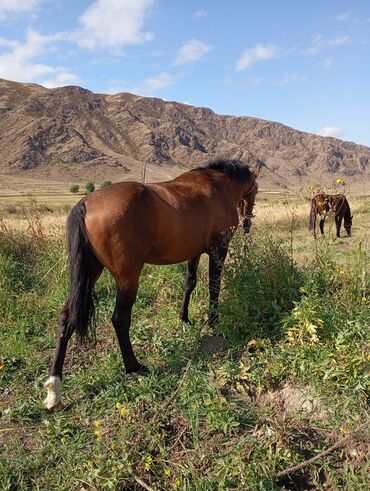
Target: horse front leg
190, 282
217, 257
322, 222
121, 321
338, 223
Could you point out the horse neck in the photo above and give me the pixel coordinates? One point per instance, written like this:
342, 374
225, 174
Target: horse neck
237, 189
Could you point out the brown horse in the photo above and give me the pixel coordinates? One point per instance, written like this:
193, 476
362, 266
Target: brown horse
323, 203
128, 224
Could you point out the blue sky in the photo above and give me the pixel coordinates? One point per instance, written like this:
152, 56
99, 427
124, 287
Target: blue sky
302, 63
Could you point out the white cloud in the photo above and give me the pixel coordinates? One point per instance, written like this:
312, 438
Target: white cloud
320, 42
61, 79
333, 131
148, 87
151, 86
200, 13
343, 16
8, 42
291, 78
339, 40
192, 50
18, 61
17, 6
317, 44
114, 24
258, 53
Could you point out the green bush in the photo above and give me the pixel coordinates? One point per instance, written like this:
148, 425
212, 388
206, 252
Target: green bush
90, 187
74, 189
261, 285
105, 184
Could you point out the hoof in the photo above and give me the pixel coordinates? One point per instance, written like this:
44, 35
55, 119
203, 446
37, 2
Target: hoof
53, 409
53, 402
185, 320
139, 369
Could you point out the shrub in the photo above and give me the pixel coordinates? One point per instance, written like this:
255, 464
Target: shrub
43, 208
262, 284
105, 184
90, 187
74, 189
11, 209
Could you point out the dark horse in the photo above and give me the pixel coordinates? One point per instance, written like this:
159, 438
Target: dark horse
323, 203
128, 224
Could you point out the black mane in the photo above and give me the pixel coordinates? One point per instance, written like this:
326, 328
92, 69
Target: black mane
235, 169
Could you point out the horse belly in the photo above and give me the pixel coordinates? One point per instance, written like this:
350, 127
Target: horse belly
175, 251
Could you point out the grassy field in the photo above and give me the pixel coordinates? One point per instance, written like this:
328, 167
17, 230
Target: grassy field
283, 377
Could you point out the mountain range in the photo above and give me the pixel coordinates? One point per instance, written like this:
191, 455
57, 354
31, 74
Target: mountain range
71, 125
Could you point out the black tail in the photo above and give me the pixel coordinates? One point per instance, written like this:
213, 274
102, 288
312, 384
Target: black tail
81, 308
313, 215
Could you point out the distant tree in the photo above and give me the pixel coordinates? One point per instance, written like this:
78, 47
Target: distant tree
74, 189
105, 184
90, 187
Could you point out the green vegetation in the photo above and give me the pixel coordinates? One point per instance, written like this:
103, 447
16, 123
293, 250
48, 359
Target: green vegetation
90, 187
288, 379
105, 184
74, 189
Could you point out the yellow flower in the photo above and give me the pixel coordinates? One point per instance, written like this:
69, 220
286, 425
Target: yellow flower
62, 440
363, 299
118, 405
123, 411
98, 433
167, 471
344, 430
90, 464
177, 482
97, 424
148, 462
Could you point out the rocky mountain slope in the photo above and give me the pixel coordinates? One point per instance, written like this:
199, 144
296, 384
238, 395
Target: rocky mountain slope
40, 126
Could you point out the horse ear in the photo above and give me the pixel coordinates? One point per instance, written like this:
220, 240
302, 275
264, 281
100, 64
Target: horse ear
256, 170
351, 217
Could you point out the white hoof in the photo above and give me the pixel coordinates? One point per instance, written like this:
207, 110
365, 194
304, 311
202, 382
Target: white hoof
53, 400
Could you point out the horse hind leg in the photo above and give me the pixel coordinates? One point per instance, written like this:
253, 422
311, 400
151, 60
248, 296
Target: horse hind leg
54, 382
190, 283
121, 320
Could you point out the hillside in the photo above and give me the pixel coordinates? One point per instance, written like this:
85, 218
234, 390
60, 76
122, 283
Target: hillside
40, 126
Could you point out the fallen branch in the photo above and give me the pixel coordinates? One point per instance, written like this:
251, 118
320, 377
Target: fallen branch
143, 484
312, 460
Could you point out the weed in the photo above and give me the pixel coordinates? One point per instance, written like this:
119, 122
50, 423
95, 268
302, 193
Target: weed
294, 313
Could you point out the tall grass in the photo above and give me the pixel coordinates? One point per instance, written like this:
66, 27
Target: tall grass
203, 419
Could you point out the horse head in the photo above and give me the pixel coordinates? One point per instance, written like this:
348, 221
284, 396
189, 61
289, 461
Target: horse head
246, 204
